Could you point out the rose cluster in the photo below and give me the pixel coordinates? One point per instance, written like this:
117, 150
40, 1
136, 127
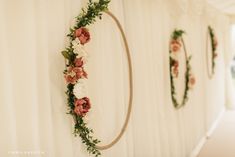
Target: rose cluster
215, 44
75, 71
175, 46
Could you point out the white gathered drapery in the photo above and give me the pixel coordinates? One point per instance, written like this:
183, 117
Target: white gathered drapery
32, 101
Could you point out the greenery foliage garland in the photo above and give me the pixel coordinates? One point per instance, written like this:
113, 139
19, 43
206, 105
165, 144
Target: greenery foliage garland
176, 44
214, 44
74, 72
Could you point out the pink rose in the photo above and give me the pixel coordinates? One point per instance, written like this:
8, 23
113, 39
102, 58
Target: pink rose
215, 55
175, 41
70, 79
78, 62
82, 106
74, 73
192, 81
215, 42
83, 35
175, 72
80, 73
175, 48
175, 45
176, 64
70, 76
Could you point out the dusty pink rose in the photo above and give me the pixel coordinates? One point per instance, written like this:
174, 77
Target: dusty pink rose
215, 55
175, 48
215, 42
83, 35
175, 68
175, 42
176, 64
74, 73
70, 76
70, 79
78, 62
192, 81
175, 45
82, 106
175, 72
80, 73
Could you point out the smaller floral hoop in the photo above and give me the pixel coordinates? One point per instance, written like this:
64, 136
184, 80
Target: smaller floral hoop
176, 43
214, 44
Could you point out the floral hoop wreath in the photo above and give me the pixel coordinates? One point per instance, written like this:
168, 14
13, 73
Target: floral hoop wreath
176, 43
214, 44
75, 56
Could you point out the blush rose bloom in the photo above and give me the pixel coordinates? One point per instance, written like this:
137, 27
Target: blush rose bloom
176, 63
70, 79
175, 72
74, 73
192, 81
78, 62
82, 106
175, 45
215, 42
215, 55
83, 35
175, 66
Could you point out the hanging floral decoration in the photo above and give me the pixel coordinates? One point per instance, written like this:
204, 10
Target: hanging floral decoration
75, 73
176, 44
214, 45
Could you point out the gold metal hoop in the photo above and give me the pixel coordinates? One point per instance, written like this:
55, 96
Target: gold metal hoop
124, 127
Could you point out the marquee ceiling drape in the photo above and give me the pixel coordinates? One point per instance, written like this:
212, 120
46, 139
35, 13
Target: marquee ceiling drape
227, 6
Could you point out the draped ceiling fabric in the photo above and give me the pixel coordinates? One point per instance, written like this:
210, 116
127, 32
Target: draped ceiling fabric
33, 104
227, 6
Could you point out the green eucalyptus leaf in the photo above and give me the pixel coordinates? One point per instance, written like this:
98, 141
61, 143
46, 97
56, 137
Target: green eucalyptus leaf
65, 54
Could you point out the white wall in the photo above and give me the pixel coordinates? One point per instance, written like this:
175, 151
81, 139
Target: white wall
33, 103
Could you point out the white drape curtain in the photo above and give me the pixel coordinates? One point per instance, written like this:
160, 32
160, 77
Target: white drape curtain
32, 100
230, 89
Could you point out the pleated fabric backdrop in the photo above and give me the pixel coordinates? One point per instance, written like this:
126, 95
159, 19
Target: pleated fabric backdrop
32, 100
